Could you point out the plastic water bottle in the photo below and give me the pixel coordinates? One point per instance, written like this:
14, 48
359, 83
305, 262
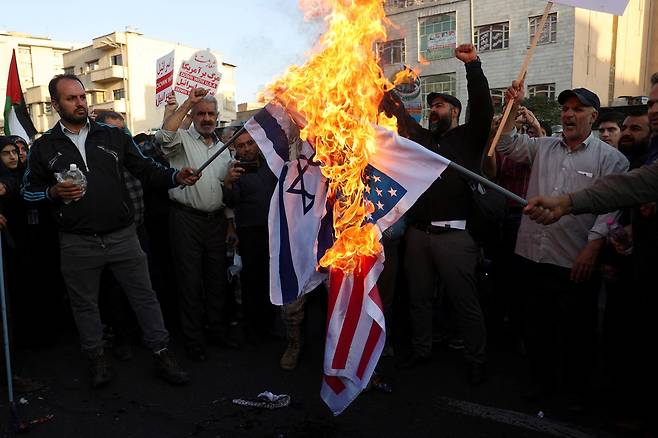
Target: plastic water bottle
74, 174
618, 235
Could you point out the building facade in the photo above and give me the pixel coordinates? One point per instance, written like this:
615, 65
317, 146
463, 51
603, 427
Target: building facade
612, 56
118, 71
38, 60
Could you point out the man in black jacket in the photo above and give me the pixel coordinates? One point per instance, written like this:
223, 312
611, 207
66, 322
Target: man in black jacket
97, 229
438, 245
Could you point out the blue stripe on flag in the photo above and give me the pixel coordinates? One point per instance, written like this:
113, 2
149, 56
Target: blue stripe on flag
274, 133
287, 275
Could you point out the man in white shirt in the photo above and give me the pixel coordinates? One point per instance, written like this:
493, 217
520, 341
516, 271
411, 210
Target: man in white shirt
199, 224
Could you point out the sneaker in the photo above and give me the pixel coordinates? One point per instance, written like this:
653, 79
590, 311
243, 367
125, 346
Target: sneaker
167, 368
100, 367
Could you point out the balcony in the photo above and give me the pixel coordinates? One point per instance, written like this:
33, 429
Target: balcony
108, 74
118, 106
109, 42
37, 94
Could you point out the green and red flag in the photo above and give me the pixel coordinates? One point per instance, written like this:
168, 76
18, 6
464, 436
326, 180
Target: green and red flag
17, 119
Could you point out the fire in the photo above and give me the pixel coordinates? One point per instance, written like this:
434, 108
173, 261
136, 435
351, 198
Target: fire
338, 92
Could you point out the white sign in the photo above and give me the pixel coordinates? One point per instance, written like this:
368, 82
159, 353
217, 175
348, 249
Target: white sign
616, 7
441, 40
164, 78
200, 71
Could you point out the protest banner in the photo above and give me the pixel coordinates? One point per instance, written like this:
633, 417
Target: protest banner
200, 71
164, 77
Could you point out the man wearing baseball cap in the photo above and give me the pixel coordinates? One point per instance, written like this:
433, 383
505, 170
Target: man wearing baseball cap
558, 261
439, 244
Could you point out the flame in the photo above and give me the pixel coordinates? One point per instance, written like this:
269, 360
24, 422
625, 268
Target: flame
338, 92
406, 75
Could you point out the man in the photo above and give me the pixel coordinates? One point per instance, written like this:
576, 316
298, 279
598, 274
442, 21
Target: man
22, 147
248, 189
199, 224
635, 136
97, 229
439, 248
610, 127
560, 311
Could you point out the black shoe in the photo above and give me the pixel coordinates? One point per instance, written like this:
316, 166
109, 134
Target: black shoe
412, 361
476, 373
167, 368
123, 352
197, 354
101, 370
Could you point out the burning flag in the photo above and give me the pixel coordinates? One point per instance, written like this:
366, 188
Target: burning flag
370, 176
17, 119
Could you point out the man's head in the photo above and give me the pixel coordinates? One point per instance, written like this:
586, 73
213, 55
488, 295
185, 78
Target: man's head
635, 134
141, 138
444, 112
8, 153
227, 132
610, 127
21, 144
67, 96
204, 115
580, 108
653, 104
111, 118
246, 148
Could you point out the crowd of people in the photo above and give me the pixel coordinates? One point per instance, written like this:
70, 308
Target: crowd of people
148, 246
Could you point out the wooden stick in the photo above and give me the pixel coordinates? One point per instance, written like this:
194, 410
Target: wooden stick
521, 76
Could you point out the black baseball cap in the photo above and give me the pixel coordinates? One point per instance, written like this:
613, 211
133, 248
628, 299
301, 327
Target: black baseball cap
447, 97
585, 97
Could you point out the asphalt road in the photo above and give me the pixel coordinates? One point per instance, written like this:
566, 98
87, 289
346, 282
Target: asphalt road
432, 400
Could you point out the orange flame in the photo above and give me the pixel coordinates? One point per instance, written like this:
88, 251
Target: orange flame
338, 92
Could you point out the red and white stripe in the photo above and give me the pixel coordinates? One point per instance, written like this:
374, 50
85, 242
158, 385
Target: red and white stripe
355, 333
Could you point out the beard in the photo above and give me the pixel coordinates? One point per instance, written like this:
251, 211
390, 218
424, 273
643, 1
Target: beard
439, 126
74, 118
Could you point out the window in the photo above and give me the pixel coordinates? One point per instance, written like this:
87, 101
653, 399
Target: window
549, 34
92, 65
546, 91
438, 37
95, 97
24, 64
443, 83
492, 37
69, 70
118, 93
47, 108
497, 98
117, 60
391, 52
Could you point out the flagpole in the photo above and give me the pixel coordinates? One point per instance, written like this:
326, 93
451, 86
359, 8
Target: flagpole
485, 182
230, 141
521, 76
5, 330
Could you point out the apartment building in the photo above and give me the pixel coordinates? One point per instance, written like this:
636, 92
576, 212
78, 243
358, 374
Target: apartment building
118, 71
612, 56
38, 60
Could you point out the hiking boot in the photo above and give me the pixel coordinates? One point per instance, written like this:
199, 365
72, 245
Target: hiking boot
167, 368
100, 367
291, 355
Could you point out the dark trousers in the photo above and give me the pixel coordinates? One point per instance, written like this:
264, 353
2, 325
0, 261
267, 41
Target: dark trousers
83, 259
198, 245
255, 277
449, 257
560, 326
388, 279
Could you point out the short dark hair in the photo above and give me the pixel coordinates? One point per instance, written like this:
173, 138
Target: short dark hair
654, 79
52, 85
546, 127
104, 115
638, 111
611, 116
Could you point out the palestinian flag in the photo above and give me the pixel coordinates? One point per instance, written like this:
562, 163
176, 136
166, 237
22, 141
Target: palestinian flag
17, 120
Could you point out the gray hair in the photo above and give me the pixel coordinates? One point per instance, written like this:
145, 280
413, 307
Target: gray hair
208, 98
